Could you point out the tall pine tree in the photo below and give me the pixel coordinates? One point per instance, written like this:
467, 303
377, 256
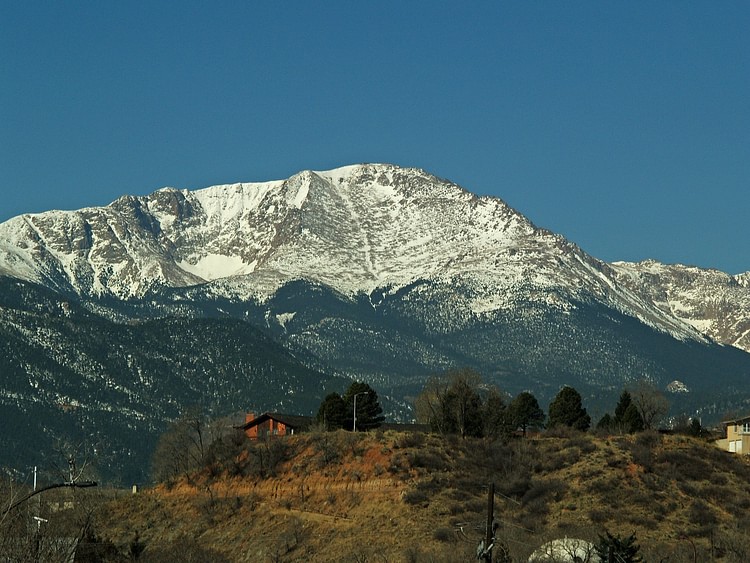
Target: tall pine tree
566, 409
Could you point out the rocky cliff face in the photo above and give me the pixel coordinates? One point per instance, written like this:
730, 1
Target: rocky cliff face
714, 303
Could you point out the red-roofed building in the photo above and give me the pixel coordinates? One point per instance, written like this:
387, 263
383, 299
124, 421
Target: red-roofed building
275, 424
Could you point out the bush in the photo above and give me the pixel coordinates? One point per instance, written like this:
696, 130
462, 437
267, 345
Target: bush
685, 465
515, 487
545, 491
181, 550
648, 438
598, 516
444, 535
416, 496
264, 457
399, 465
702, 517
410, 440
427, 460
326, 445
642, 455
560, 460
584, 443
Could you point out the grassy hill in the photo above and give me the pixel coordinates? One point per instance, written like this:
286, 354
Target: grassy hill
393, 497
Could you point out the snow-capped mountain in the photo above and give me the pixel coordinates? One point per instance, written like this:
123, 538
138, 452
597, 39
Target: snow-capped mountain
713, 302
269, 295
359, 230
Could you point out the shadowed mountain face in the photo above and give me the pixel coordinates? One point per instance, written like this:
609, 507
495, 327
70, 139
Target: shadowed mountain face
243, 296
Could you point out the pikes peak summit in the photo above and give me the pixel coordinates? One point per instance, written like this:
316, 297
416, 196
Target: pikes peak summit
269, 295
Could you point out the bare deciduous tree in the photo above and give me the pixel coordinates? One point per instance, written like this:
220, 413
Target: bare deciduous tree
651, 403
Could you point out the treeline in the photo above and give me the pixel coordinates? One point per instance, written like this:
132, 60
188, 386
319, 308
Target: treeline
358, 409
460, 402
457, 402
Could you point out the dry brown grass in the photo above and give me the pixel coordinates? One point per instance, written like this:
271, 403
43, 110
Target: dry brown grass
395, 497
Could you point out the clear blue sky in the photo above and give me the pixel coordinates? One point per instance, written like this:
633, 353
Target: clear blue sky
624, 126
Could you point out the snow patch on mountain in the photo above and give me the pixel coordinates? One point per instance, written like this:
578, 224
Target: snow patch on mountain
357, 230
215, 266
712, 302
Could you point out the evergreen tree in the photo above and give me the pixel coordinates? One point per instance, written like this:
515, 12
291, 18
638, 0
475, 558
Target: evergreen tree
605, 423
627, 417
632, 420
566, 409
369, 412
695, 428
525, 411
622, 406
615, 548
332, 412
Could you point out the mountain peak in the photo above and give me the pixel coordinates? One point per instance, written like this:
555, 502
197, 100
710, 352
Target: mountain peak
355, 229
376, 223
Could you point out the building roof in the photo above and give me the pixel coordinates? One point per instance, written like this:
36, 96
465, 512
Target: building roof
295, 421
736, 420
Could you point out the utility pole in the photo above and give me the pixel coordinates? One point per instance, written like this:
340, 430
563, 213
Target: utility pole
484, 550
489, 540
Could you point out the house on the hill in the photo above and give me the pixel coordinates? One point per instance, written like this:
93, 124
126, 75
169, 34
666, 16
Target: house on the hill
275, 424
737, 435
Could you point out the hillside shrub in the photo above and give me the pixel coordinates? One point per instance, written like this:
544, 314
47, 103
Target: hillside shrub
614, 498
602, 485
734, 544
410, 440
685, 465
180, 550
432, 487
648, 438
584, 443
417, 497
598, 516
443, 534
642, 455
515, 487
353, 442
264, 457
558, 461
399, 465
476, 506
719, 494
543, 492
226, 454
739, 504
616, 462
702, 517
655, 483
427, 459
455, 508
325, 444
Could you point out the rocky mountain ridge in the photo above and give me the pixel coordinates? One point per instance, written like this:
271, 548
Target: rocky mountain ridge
713, 302
267, 296
365, 229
